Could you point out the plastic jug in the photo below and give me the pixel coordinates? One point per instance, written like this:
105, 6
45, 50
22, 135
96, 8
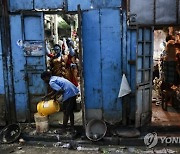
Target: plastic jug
48, 107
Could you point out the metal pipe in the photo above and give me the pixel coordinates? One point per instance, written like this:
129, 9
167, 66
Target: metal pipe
81, 65
7, 63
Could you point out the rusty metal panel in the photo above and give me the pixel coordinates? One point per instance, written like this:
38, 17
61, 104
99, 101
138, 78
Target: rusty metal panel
17, 54
16, 5
141, 12
20, 88
165, 12
92, 4
35, 62
72, 5
111, 63
36, 31
92, 59
46, 4
131, 68
36, 85
154, 12
21, 107
27, 67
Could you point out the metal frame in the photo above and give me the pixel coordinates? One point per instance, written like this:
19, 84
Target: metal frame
81, 64
144, 85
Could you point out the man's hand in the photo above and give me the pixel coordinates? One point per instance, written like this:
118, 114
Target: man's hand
54, 97
44, 98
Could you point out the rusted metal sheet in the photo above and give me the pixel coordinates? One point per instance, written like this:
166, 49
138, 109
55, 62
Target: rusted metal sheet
111, 63
154, 12
92, 59
18, 67
102, 63
130, 69
72, 5
28, 85
166, 11
36, 31
92, 4
141, 11
46, 4
16, 5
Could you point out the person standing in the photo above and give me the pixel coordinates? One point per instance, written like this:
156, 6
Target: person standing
69, 91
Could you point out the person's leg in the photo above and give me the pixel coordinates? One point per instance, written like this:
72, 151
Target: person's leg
72, 119
71, 110
65, 114
65, 120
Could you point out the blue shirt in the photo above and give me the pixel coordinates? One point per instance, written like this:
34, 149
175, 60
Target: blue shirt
60, 83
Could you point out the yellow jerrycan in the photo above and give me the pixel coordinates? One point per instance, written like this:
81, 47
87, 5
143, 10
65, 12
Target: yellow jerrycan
48, 107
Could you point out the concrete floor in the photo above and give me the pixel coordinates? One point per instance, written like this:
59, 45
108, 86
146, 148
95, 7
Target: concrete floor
171, 117
57, 118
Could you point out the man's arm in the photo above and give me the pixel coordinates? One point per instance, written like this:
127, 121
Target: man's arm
49, 95
57, 93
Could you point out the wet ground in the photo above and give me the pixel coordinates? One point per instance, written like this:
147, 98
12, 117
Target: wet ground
171, 117
29, 149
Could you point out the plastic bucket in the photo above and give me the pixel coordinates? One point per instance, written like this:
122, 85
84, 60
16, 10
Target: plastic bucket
42, 124
10, 133
96, 129
48, 107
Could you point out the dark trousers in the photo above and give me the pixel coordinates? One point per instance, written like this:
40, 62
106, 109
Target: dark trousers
68, 109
